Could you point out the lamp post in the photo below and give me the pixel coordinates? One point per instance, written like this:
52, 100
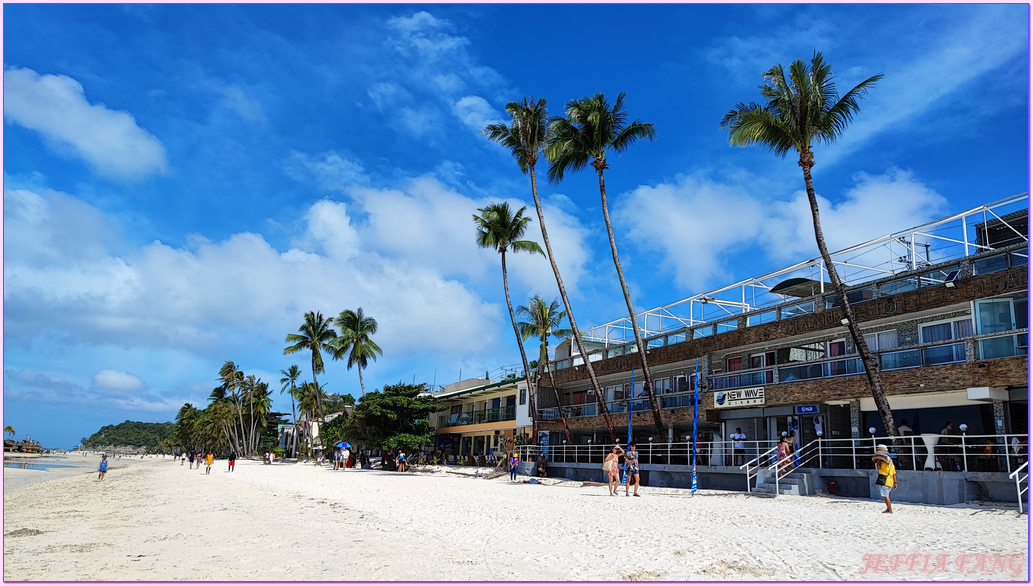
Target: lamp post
589, 450
871, 431
650, 449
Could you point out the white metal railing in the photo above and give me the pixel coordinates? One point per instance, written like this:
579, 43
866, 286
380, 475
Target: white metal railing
964, 452
792, 460
1019, 478
756, 465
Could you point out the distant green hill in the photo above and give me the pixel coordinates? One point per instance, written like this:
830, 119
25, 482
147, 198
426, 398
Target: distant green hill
131, 433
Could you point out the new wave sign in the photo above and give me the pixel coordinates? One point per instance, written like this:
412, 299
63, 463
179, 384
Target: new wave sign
739, 398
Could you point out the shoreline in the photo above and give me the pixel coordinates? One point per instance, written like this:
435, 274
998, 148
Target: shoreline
152, 520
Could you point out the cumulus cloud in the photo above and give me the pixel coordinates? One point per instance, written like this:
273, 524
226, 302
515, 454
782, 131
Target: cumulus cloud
678, 220
117, 381
56, 106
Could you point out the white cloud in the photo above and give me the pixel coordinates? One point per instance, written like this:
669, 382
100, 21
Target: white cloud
331, 171
475, 112
56, 106
235, 98
117, 381
697, 224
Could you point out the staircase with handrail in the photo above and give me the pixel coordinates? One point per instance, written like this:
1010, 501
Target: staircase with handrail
1021, 475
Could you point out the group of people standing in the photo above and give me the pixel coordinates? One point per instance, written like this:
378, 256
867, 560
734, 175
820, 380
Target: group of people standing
611, 466
208, 459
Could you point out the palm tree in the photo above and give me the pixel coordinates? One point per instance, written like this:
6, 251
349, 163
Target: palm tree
314, 335
9, 429
500, 229
232, 382
591, 130
799, 112
543, 320
290, 378
311, 400
526, 138
355, 341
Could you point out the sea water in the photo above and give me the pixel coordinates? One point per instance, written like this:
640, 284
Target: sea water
35, 464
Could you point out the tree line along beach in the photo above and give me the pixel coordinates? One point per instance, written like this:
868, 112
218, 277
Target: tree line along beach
154, 518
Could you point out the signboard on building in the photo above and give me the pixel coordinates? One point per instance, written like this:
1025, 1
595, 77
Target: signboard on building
806, 409
739, 398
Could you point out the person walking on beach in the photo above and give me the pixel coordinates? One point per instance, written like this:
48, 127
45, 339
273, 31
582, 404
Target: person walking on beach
514, 465
103, 469
631, 468
346, 455
887, 479
208, 462
190, 457
612, 470
232, 462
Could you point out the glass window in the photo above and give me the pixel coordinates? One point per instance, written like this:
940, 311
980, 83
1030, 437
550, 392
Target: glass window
734, 364
523, 397
881, 340
991, 264
995, 315
936, 333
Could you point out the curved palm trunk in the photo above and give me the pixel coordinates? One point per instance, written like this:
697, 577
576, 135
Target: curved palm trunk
648, 382
531, 395
362, 386
294, 414
570, 313
552, 383
871, 365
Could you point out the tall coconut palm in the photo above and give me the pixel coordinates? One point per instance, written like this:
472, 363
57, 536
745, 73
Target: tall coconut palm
315, 335
591, 129
312, 396
526, 137
9, 429
799, 112
355, 341
543, 320
290, 379
499, 229
232, 382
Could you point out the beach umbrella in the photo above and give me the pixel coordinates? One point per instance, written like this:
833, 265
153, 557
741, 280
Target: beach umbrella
343, 445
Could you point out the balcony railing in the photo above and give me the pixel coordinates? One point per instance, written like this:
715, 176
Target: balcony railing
969, 453
476, 417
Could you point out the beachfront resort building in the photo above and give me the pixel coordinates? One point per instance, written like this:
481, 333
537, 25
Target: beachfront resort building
479, 417
944, 306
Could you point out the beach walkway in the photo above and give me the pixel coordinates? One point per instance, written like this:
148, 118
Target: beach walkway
157, 520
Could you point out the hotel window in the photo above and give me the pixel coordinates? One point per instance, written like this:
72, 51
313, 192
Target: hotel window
762, 360
881, 340
662, 386
945, 330
523, 396
734, 364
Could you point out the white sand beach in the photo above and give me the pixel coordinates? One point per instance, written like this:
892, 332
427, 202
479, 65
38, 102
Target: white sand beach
157, 520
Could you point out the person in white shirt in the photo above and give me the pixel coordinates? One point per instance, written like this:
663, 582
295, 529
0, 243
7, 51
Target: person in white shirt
739, 447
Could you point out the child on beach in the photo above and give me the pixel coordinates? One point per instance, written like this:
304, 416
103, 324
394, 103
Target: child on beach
208, 462
103, 469
514, 465
887, 474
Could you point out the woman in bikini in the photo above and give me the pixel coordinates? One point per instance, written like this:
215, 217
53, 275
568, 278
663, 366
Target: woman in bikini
612, 469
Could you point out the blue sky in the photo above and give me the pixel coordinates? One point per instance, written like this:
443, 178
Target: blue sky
183, 182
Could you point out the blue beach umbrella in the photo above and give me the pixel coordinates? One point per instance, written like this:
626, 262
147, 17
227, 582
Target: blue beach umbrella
343, 445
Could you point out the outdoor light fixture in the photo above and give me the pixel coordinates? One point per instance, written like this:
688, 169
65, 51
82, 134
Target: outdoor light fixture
949, 284
650, 439
844, 321
871, 430
963, 427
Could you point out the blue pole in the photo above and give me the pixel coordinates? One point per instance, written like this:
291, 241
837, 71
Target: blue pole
631, 395
695, 418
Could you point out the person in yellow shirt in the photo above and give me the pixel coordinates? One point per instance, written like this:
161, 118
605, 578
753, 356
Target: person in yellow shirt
208, 462
886, 469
